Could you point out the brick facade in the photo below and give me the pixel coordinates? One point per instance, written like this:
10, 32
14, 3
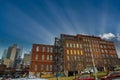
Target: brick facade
79, 51
42, 59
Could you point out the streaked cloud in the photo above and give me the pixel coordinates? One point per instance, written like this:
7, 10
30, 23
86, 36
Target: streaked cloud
40, 21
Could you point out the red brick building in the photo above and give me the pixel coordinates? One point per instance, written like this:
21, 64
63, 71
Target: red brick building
78, 51
73, 53
41, 59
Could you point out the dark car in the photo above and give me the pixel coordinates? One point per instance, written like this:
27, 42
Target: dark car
85, 78
111, 76
8, 76
17, 75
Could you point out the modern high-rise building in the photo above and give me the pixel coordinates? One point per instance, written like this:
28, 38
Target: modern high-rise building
4, 54
41, 59
12, 56
77, 52
9, 52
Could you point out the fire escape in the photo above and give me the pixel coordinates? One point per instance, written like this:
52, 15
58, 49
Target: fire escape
58, 55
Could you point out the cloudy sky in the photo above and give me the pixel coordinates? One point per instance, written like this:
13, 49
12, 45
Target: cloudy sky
38, 21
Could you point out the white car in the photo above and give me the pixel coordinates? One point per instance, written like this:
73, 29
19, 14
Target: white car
85, 72
116, 69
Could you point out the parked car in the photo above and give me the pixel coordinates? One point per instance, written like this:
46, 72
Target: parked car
85, 72
17, 75
117, 69
85, 78
111, 75
7, 77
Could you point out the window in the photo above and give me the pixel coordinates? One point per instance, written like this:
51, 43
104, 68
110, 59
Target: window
48, 50
80, 45
107, 55
90, 50
36, 67
61, 67
103, 55
74, 45
77, 45
68, 58
43, 49
84, 40
36, 56
108, 61
71, 45
71, 51
81, 52
37, 48
51, 50
43, 57
51, 57
104, 46
102, 51
75, 57
89, 45
101, 46
112, 56
84, 44
47, 67
89, 54
92, 45
86, 59
85, 50
106, 51
105, 62
67, 45
78, 58
42, 67
88, 40
78, 52
71, 57
47, 57
50, 67
68, 66
67, 51
75, 52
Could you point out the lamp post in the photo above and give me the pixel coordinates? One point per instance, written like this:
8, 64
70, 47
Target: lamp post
94, 67
93, 62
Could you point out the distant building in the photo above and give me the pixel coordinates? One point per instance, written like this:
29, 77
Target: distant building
119, 61
12, 55
7, 62
0, 61
77, 52
26, 60
9, 52
41, 59
2, 69
4, 54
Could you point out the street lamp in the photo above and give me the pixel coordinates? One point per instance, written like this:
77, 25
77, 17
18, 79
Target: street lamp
94, 67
